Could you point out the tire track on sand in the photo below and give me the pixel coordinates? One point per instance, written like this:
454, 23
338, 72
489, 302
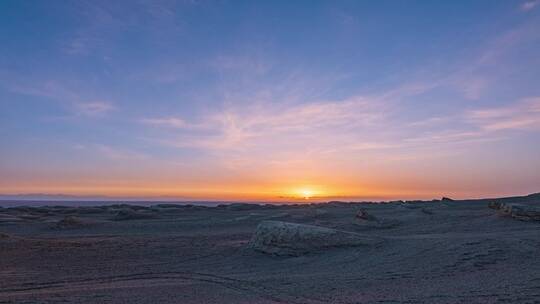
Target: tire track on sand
153, 279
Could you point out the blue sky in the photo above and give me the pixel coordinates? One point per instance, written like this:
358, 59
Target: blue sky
262, 100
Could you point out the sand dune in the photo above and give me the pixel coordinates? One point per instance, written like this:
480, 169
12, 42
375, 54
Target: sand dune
400, 252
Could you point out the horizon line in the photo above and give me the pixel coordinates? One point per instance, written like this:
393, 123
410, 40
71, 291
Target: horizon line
165, 198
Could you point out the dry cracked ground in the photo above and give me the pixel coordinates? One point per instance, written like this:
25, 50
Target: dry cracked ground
430, 252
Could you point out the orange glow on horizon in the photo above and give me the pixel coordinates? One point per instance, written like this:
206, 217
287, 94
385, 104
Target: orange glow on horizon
238, 191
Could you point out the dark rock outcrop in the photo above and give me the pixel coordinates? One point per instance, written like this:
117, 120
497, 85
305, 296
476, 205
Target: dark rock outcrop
129, 214
70, 222
366, 220
495, 205
242, 207
364, 215
517, 211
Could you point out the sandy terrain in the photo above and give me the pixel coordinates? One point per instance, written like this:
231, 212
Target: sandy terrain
425, 252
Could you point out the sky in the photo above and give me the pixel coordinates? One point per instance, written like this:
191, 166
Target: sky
270, 100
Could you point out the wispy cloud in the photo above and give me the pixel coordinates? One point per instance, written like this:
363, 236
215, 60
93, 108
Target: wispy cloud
289, 122
120, 154
60, 93
102, 23
496, 57
262, 124
49, 89
430, 122
358, 123
452, 136
529, 5
473, 87
478, 125
171, 122
94, 108
256, 65
523, 115
110, 152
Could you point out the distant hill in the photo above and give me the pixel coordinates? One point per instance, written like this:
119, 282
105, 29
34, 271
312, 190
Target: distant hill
52, 197
67, 197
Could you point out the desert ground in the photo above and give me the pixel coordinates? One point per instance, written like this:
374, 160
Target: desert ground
441, 251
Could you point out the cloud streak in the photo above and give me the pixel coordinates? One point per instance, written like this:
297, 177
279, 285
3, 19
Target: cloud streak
171, 122
529, 5
523, 115
112, 153
285, 125
69, 98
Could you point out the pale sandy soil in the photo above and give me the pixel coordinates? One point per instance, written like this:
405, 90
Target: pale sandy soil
433, 252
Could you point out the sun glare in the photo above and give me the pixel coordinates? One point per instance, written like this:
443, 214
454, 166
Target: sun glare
306, 193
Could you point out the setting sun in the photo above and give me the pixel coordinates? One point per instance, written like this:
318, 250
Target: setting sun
305, 193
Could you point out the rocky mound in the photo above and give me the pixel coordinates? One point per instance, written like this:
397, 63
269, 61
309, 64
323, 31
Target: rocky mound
495, 205
129, 214
364, 215
242, 207
91, 210
70, 222
365, 220
282, 238
517, 211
